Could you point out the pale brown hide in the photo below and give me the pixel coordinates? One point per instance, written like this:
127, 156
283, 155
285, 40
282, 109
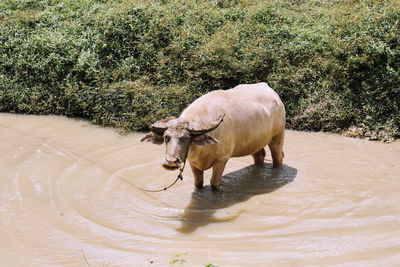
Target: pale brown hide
254, 117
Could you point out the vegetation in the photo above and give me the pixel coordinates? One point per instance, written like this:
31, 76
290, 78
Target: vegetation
177, 260
126, 63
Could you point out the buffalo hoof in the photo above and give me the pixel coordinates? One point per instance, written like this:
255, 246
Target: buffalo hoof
199, 186
215, 188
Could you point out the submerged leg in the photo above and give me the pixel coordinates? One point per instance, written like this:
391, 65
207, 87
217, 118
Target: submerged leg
217, 171
198, 176
259, 157
275, 147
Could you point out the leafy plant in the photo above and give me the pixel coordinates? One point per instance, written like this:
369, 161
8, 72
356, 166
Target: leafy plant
177, 260
126, 63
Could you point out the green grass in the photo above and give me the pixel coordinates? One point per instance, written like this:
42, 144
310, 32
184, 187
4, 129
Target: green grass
126, 63
178, 260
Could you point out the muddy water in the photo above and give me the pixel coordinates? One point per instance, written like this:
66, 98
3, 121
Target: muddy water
68, 198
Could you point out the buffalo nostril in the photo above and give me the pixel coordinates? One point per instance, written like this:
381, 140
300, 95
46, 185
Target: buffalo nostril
171, 162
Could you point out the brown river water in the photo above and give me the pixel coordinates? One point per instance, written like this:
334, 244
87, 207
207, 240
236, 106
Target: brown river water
68, 197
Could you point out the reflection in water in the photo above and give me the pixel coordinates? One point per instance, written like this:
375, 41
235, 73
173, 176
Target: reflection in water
237, 186
66, 199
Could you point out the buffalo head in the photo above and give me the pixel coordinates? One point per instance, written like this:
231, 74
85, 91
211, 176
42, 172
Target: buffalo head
178, 134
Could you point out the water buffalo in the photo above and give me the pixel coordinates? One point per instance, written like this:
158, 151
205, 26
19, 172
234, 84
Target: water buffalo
220, 125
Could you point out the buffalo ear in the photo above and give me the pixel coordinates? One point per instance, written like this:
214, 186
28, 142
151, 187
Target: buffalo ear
153, 138
204, 139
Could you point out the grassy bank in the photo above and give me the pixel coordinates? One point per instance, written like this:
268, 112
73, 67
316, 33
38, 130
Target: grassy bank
127, 63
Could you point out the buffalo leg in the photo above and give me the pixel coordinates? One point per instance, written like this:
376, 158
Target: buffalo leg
198, 176
259, 157
217, 171
275, 147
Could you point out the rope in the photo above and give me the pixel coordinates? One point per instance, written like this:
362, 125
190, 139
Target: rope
179, 177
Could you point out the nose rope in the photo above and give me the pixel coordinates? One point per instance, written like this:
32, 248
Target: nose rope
179, 177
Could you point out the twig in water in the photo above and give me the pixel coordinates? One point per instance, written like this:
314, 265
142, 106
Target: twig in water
84, 256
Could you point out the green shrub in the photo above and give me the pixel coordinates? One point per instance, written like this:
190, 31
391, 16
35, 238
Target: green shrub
123, 63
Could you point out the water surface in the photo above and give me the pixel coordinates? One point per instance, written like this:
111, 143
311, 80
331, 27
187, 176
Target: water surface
69, 197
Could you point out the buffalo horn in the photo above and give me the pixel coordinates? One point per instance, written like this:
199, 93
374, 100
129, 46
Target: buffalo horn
160, 126
198, 128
